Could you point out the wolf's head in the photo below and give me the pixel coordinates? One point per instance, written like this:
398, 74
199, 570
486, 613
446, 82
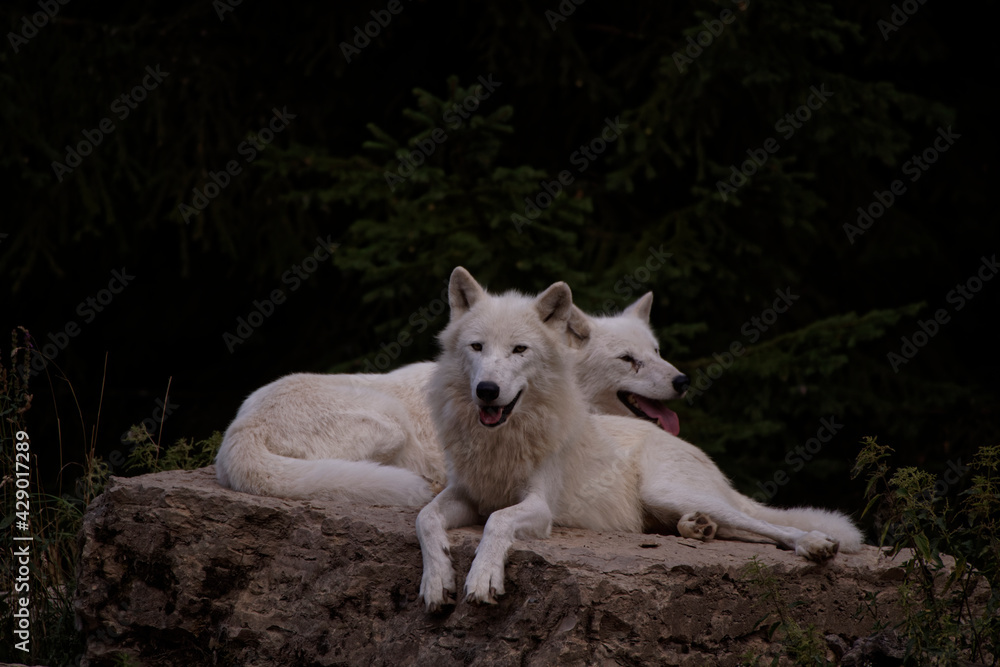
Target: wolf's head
620, 370
508, 349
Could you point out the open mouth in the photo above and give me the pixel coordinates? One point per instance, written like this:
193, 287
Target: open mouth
651, 410
494, 415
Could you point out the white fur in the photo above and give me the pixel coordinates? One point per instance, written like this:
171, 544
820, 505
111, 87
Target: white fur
348, 436
370, 437
612, 338
552, 462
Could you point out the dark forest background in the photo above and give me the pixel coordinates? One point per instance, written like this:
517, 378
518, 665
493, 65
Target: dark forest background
693, 89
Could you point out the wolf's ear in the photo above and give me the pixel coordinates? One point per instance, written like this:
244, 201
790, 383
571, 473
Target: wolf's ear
463, 292
641, 307
577, 328
554, 304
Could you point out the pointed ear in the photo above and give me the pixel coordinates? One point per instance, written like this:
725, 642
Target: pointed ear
641, 307
554, 304
577, 328
463, 292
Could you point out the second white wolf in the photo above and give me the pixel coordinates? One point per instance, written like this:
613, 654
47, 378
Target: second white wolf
370, 437
524, 453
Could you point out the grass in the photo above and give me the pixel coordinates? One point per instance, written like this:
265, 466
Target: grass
55, 519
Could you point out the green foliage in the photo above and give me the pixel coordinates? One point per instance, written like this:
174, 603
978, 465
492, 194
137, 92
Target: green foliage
820, 348
804, 645
440, 198
125, 660
185, 454
780, 381
951, 589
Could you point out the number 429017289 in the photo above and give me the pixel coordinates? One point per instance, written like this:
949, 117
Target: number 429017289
22, 459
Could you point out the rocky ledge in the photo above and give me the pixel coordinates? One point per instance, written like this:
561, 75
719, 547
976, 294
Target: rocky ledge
178, 570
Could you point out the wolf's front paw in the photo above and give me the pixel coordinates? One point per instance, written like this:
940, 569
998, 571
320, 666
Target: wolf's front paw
437, 588
697, 526
484, 583
817, 546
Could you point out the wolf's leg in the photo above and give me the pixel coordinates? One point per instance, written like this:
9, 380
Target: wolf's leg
813, 545
699, 526
449, 509
731, 522
532, 517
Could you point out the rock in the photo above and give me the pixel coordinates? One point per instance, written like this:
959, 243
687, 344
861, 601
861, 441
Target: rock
884, 648
178, 570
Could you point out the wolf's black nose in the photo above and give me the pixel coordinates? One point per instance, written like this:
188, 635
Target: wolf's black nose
488, 391
681, 383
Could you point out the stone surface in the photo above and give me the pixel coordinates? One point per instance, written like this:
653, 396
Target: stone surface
178, 570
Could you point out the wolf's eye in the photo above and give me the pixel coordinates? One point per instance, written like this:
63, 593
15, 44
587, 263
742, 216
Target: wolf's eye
478, 347
628, 358
518, 349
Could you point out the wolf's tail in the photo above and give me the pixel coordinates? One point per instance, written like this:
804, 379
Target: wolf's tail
244, 463
833, 523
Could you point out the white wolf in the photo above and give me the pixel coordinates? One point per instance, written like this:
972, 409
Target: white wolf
370, 437
523, 451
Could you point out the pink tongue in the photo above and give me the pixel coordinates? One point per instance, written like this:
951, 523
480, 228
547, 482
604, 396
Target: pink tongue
668, 419
490, 415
